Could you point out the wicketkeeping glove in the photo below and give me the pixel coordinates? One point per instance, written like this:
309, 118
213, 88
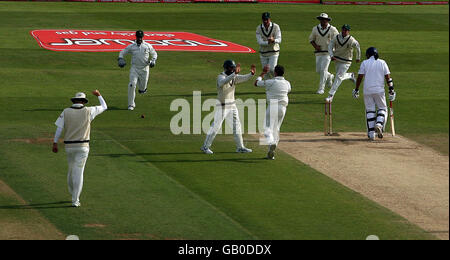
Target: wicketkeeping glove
392, 95
355, 93
121, 62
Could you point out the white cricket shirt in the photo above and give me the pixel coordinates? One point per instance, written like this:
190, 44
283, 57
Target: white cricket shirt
140, 54
276, 89
374, 72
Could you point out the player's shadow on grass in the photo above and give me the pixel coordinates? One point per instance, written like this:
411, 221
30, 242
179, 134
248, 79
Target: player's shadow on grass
303, 92
238, 160
115, 155
43, 109
208, 159
306, 102
51, 205
117, 108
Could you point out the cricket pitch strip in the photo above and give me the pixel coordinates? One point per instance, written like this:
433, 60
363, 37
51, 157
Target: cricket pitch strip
406, 177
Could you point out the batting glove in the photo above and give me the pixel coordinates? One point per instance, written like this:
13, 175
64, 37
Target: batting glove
392, 95
355, 93
152, 63
121, 62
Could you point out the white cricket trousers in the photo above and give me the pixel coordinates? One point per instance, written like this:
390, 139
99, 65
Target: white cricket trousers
76, 159
322, 64
376, 111
272, 61
341, 75
230, 114
139, 78
275, 113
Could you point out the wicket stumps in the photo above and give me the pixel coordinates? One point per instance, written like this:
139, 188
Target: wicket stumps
328, 123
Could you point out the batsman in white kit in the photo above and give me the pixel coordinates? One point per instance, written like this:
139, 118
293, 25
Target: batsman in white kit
341, 50
143, 57
226, 106
76, 123
268, 36
320, 38
277, 90
375, 72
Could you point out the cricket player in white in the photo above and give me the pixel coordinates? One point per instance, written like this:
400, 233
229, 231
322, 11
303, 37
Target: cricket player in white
76, 122
140, 63
226, 106
341, 52
375, 71
268, 36
277, 90
320, 38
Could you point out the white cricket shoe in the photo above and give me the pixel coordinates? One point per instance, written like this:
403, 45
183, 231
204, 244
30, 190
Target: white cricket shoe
329, 99
379, 130
330, 80
371, 137
131, 108
353, 79
206, 150
76, 204
244, 150
271, 153
320, 92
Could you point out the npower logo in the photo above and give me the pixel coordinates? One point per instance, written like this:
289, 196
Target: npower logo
101, 41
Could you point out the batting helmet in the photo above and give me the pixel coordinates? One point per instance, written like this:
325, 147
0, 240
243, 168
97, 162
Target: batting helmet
372, 51
229, 64
139, 34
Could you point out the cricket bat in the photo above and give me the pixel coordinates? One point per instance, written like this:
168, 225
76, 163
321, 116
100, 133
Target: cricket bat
391, 116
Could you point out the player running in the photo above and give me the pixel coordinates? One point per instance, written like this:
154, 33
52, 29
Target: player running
140, 63
277, 90
268, 36
341, 52
320, 38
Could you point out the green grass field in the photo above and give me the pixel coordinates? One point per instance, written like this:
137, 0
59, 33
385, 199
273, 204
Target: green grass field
143, 182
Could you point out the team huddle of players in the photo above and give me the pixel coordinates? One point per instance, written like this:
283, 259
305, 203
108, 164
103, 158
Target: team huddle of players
329, 45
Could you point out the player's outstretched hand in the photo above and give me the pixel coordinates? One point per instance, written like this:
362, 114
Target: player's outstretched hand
96, 93
253, 69
238, 68
266, 69
355, 93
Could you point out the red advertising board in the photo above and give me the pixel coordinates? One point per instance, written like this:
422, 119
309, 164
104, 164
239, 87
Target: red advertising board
103, 41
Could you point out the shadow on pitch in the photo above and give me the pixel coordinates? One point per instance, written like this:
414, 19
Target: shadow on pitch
51, 205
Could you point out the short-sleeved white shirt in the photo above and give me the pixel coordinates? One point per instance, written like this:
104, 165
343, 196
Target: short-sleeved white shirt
374, 71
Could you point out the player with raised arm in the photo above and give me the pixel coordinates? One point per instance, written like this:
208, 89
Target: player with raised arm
277, 90
76, 123
226, 105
